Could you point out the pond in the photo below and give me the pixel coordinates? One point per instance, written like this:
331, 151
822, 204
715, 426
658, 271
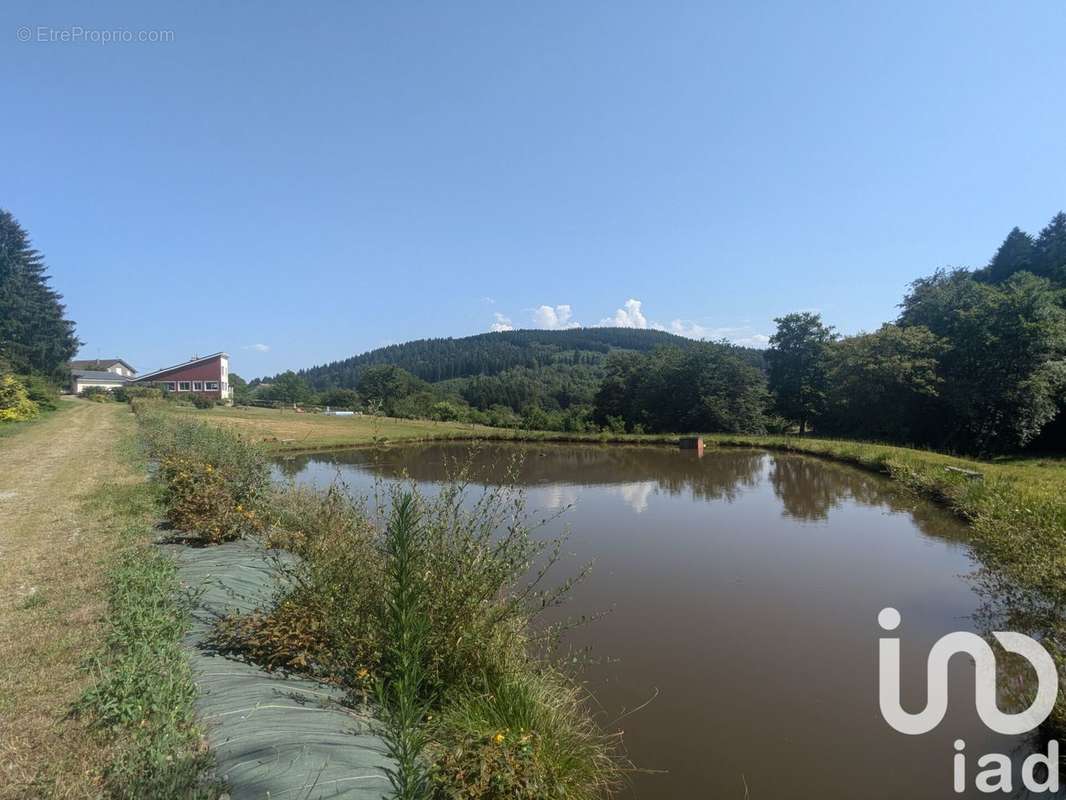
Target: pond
740, 651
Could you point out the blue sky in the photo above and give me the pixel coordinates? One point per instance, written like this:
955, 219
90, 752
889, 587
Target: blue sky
296, 185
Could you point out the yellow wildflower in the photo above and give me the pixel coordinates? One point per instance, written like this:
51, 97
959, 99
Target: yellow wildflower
498, 738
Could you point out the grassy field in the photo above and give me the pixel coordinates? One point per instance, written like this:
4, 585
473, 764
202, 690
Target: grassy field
86, 606
281, 430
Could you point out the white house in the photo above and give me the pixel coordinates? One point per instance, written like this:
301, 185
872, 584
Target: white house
108, 373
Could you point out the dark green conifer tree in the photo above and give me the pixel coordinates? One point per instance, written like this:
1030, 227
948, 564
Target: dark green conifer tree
1014, 255
1049, 251
35, 337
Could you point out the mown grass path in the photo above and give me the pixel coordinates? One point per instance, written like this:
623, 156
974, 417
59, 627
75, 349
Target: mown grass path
54, 544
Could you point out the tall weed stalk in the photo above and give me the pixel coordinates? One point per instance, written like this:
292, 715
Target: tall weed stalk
400, 688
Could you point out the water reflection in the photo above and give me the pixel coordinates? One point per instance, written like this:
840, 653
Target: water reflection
745, 588
808, 488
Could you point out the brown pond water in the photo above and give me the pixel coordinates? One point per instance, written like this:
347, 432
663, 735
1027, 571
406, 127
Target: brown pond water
743, 589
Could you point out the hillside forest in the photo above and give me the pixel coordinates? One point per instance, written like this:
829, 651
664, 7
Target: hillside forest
975, 362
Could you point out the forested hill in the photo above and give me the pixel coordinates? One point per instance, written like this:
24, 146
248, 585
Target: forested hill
435, 360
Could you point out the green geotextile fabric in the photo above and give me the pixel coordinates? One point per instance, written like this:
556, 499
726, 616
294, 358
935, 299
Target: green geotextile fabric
272, 736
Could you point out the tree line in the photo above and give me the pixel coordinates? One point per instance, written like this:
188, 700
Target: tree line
975, 362
36, 338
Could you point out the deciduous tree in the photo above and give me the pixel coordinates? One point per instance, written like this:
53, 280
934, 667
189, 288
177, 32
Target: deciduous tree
799, 361
1003, 370
289, 387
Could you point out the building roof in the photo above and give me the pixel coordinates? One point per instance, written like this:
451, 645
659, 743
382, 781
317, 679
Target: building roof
99, 376
100, 364
149, 375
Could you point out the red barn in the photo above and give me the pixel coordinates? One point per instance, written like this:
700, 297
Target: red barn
208, 376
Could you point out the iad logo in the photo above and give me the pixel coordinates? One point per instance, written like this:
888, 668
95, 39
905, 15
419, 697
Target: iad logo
985, 690
998, 777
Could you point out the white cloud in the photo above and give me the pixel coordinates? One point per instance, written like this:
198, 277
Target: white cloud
259, 348
636, 494
554, 318
754, 340
631, 315
502, 323
559, 496
628, 316
743, 335
689, 329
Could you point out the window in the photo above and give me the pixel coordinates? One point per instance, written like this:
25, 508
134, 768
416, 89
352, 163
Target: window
170, 386
183, 386
211, 386
197, 386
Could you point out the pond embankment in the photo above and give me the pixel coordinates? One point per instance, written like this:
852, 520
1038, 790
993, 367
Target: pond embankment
418, 611
271, 734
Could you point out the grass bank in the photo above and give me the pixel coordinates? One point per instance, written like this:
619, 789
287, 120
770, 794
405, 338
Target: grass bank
420, 607
142, 694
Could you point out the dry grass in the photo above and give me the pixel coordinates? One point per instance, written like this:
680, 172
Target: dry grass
283, 430
288, 430
53, 545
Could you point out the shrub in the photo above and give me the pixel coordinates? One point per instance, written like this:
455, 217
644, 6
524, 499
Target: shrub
202, 499
41, 392
337, 586
213, 481
325, 618
98, 394
202, 401
125, 394
15, 402
338, 616
336, 398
